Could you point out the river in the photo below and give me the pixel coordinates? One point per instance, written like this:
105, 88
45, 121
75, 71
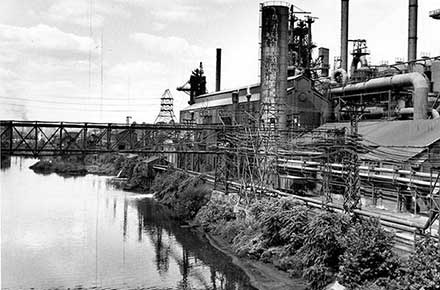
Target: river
81, 232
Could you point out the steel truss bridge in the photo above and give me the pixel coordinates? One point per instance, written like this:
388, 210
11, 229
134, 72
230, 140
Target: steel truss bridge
34, 138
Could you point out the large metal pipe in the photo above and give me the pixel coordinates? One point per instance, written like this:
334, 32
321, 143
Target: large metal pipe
344, 34
218, 69
412, 30
416, 80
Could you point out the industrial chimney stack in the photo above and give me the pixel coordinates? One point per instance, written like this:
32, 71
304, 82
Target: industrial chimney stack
218, 69
274, 62
412, 30
344, 33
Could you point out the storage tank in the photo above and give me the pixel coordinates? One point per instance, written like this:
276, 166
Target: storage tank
274, 61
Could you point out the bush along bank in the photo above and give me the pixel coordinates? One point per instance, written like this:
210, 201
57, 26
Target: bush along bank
320, 246
135, 172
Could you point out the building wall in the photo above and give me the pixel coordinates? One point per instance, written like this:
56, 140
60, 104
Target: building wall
304, 106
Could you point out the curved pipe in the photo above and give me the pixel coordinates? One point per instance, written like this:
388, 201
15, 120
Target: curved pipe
414, 79
343, 74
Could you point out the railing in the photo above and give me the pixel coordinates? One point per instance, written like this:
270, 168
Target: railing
36, 138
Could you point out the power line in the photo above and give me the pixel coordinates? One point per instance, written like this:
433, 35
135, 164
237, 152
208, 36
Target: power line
71, 103
74, 109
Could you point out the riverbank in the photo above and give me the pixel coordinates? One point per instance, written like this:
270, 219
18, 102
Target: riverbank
280, 242
134, 172
53, 226
186, 196
310, 248
105, 164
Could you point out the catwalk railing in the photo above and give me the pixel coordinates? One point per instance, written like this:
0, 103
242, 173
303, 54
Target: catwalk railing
34, 138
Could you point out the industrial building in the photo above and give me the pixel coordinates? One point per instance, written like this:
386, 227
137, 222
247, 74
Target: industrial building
286, 94
298, 93
354, 130
305, 106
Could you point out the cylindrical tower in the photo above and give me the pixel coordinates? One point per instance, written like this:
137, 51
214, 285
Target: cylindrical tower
412, 30
274, 61
218, 69
344, 34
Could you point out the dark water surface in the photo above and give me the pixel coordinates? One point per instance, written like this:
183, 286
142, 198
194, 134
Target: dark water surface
80, 232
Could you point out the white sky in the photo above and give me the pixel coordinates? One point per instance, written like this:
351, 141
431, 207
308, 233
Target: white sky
150, 46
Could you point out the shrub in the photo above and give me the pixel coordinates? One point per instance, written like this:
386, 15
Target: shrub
322, 248
422, 271
368, 254
184, 194
218, 211
188, 203
283, 223
166, 184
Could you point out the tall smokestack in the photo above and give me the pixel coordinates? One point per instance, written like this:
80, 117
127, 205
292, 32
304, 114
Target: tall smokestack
344, 33
218, 69
412, 30
273, 66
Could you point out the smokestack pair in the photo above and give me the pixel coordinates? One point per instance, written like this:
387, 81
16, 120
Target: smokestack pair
412, 31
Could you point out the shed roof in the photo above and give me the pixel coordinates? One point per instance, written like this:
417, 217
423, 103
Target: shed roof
395, 140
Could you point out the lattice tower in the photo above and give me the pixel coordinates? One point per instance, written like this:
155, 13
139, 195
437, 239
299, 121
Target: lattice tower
166, 113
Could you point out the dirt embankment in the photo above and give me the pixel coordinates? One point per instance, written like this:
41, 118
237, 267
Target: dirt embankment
313, 249
186, 196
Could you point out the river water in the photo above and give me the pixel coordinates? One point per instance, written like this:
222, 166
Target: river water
80, 232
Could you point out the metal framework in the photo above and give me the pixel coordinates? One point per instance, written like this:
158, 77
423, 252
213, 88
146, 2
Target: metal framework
166, 113
26, 138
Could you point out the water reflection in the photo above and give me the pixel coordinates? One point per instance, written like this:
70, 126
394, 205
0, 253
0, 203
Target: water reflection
5, 162
65, 232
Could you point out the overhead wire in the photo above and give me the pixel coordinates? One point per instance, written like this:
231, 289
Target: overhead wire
71, 103
75, 109
87, 98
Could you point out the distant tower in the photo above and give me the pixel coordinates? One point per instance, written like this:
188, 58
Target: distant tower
166, 114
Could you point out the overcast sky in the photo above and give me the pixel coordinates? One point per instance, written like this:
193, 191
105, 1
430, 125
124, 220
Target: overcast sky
150, 46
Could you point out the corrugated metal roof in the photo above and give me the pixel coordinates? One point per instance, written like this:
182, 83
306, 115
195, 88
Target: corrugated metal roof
395, 140
396, 133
